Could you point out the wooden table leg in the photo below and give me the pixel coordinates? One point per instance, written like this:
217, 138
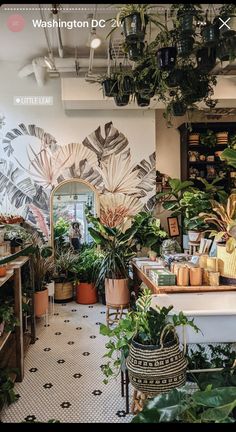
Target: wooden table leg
19, 328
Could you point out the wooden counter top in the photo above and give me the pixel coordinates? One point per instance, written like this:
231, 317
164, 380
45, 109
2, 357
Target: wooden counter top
174, 289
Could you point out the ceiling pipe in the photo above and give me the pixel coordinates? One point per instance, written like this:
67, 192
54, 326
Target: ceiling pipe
55, 12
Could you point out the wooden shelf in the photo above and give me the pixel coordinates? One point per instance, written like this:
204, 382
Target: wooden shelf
175, 289
4, 279
4, 338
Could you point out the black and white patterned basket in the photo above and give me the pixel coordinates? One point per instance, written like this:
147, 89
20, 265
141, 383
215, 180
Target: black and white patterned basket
156, 369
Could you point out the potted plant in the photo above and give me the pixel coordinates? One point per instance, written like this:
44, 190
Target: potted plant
208, 138
134, 19
223, 218
64, 275
114, 267
186, 17
134, 50
191, 205
7, 317
86, 269
165, 50
43, 267
61, 229
149, 235
206, 59
146, 339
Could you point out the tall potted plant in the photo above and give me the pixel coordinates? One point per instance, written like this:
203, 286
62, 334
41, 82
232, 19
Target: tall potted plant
114, 267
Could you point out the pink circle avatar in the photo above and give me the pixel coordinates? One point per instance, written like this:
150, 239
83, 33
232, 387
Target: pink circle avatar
16, 23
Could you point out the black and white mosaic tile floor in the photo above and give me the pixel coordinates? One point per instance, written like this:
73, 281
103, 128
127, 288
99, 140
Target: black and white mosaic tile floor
63, 378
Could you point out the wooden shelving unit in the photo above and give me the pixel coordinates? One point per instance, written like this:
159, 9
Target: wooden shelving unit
202, 166
18, 338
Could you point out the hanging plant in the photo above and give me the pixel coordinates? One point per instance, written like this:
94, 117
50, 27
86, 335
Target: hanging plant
142, 101
186, 17
121, 99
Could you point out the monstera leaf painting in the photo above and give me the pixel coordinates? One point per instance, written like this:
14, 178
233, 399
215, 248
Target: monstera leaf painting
47, 140
146, 172
19, 188
114, 142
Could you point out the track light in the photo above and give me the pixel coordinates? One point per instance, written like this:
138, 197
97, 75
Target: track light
95, 41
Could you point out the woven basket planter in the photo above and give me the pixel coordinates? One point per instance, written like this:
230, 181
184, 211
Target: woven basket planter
156, 369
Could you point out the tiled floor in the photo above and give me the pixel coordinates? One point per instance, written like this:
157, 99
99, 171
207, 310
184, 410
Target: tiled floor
63, 378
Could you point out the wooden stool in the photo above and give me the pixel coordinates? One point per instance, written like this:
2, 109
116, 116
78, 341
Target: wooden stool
114, 317
193, 247
139, 400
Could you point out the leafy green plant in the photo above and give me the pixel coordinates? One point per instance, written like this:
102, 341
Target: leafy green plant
143, 324
170, 198
229, 155
64, 265
7, 393
208, 138
7, 316
192, 204
116, 247
61, 229
181, 406
87, 265
148, 231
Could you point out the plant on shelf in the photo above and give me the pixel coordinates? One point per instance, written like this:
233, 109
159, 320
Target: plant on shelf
17, 235
149, 234
208, 138
181, 405
144, 328
86, 269
223, 218
171, 197
8, 320
7, 392
117, 253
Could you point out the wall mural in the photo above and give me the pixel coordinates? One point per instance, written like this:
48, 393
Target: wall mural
104, 160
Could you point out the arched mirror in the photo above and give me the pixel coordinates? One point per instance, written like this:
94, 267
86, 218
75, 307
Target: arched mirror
69, 201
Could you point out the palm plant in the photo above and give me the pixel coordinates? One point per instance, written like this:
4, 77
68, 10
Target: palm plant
223, 218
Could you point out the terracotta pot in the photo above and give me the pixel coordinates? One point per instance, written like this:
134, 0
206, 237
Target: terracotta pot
86, 293
41, 302
3, 271
117, 292
2, 328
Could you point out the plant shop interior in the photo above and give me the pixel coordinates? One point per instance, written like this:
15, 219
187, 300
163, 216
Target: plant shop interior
118, 213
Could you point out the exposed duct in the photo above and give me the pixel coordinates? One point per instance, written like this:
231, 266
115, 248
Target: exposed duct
62, 65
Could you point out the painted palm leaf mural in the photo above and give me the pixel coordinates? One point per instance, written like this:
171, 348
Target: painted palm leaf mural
103, 159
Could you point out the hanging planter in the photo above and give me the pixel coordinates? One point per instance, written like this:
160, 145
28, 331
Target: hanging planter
134, 28
178, 108
166, 58
110, 87
226, 50
206, 59
126, 85
186, 22
121, 100
174, 78
184, 46
142, 101
135, 50
210, 34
